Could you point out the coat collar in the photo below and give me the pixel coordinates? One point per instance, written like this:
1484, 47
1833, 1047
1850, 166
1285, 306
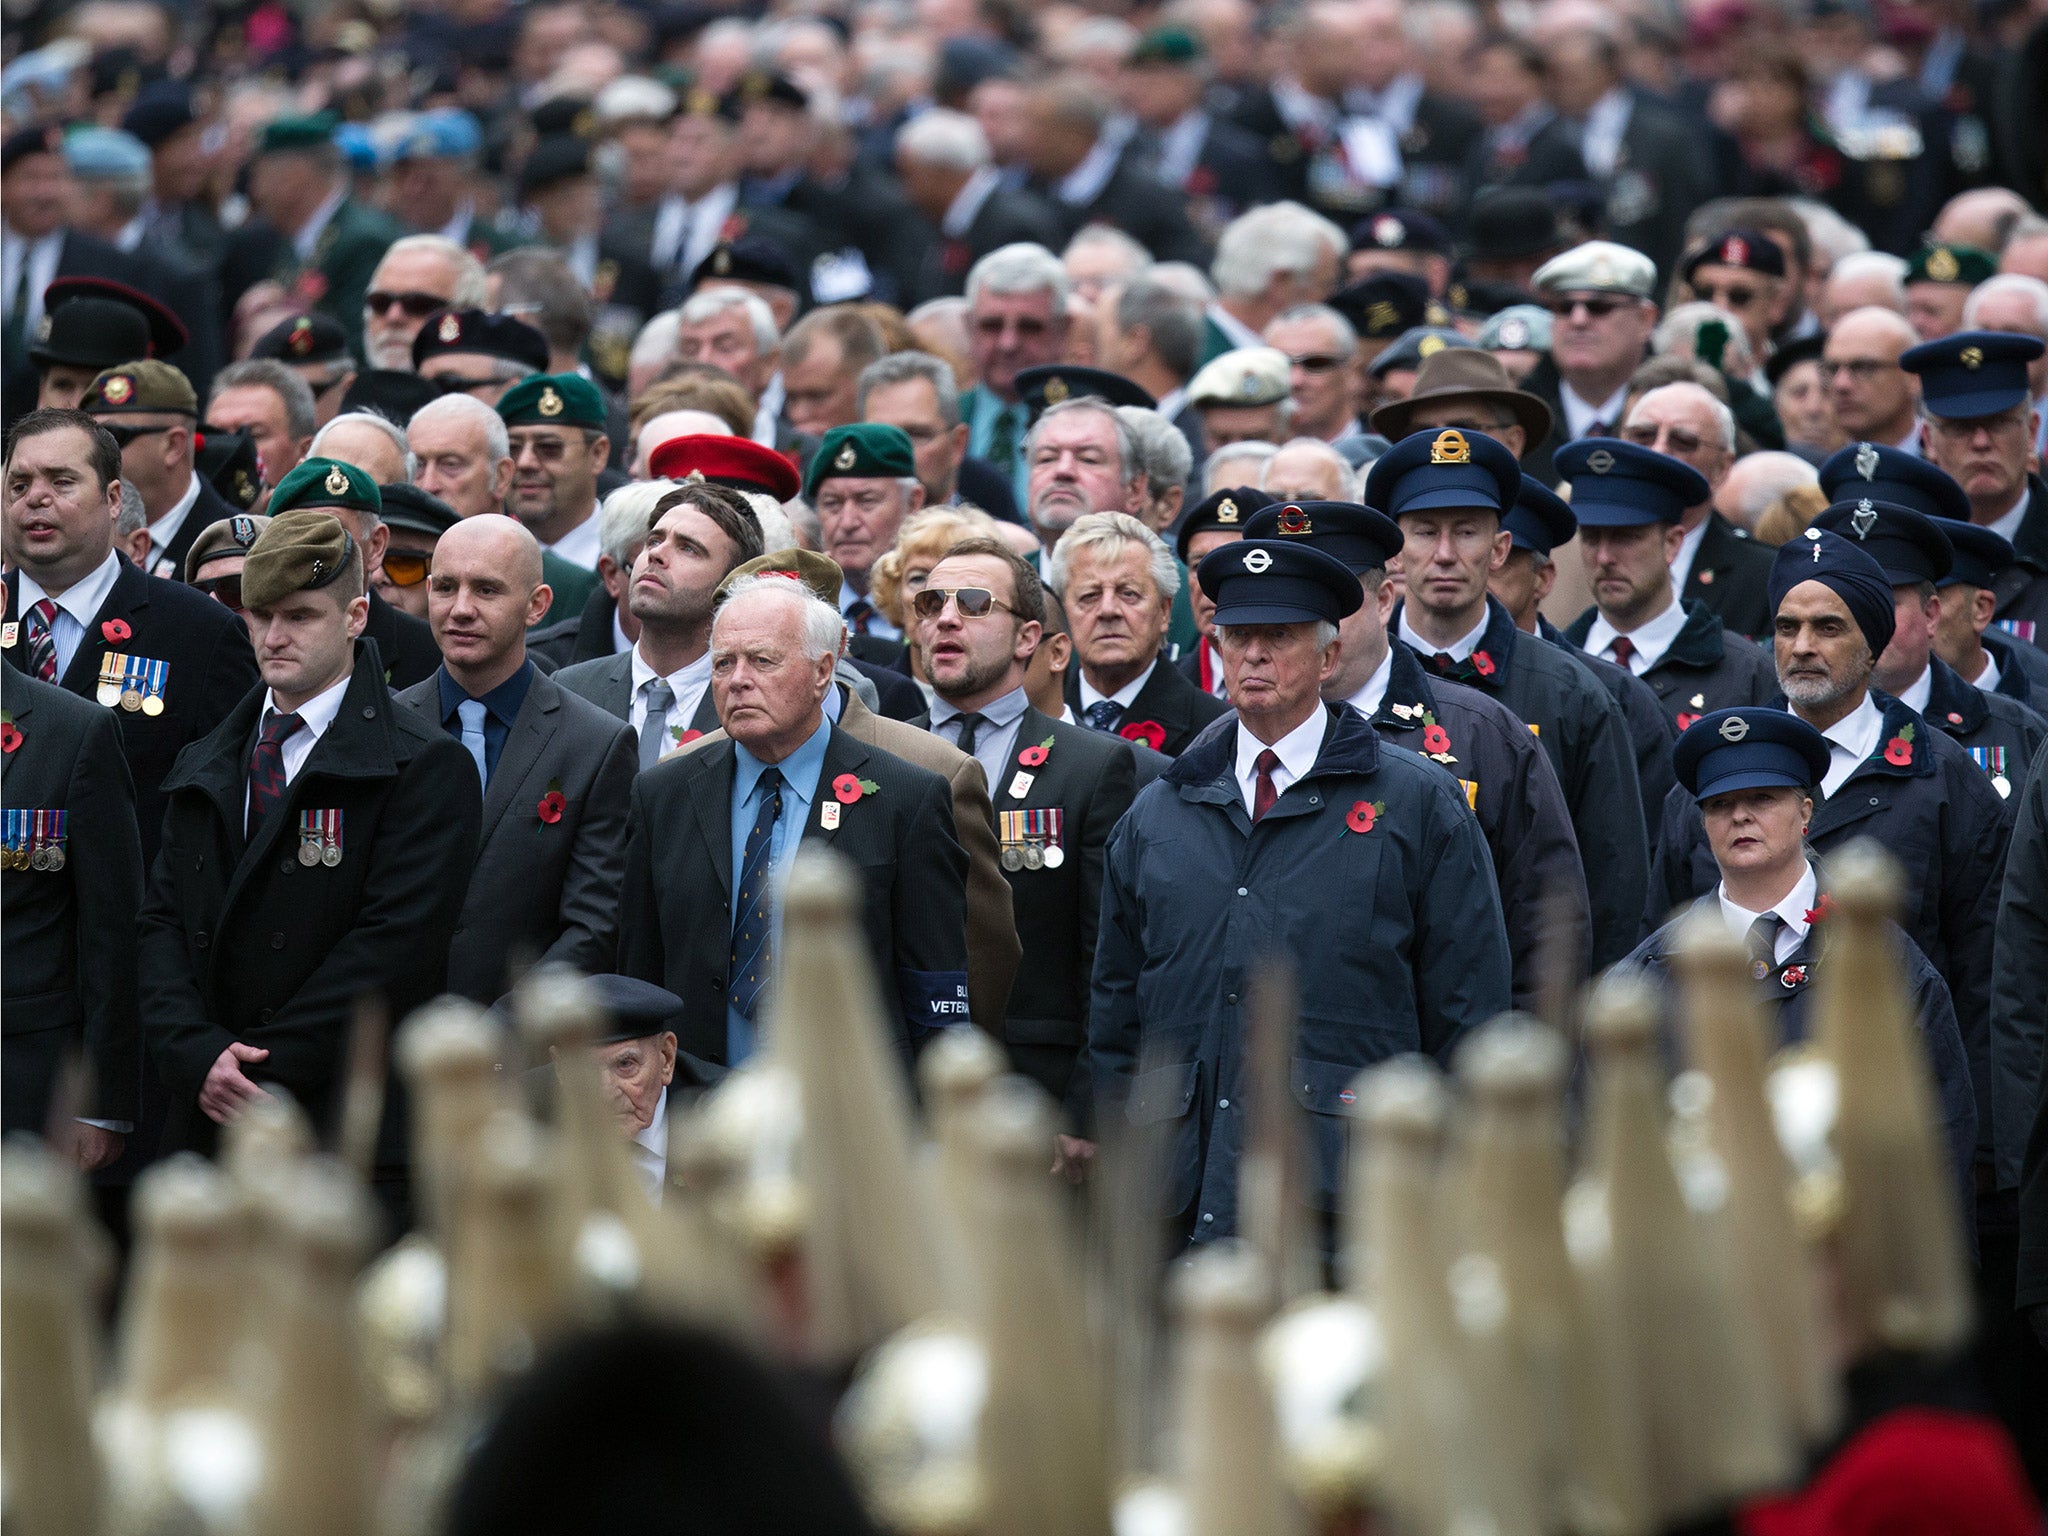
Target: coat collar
1408, 686
2013, 681
1897, 718
1207, 770
2030, 543
1698, 642
1496, 646
1952, 704
126, 599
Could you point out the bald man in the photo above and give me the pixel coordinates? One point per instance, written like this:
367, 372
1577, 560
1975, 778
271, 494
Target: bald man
1873, 398
556, 770
1308, 469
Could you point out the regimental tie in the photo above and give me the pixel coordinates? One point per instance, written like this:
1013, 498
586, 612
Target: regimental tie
1763, 944
1623, 650
1264, 791
266, 767
42, 639
860, 614
1103, 715
752, 921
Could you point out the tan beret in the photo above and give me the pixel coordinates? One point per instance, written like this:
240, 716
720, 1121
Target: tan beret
300, 551
815, 571
235, 535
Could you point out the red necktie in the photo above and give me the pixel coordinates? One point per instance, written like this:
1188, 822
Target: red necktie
266, 767
42, 640
1263, 791
1624, 650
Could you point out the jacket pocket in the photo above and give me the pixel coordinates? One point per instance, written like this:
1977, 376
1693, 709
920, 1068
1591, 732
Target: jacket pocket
1326, 1089
1164, 1093
1161, 1098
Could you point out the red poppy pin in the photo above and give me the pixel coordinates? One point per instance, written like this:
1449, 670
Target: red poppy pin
1364, 814
1821, 910
552, 804
10, 737
116, 632
1899, 750
1034, 757
1955, 717
1795, 976
681, 737
310, 286
1685, 720
1482, 663
1436, 741
1150, 732
849, 787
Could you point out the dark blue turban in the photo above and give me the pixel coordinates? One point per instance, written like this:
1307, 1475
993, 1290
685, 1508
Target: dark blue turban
1836, 563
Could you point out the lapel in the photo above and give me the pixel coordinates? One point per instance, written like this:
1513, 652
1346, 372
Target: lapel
843, 754
710, 801
15, 699
520, 757
125, 600
1712, 556
2030, 540
1032, 729
706, 718
1952, 704
1844, 807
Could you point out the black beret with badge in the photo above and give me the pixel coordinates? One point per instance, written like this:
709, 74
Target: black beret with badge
393, 393
1750, 250
1050, 384
300, 551
304, 338
230, 464
96, 323
1224, 511
1271, 581
479, 333
748, 259
1383, 305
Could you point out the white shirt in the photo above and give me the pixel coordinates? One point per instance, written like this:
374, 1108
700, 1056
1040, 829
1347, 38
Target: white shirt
1578, 415
1395, 106
1988, 678
309, 234
1368, 699
75, 609
1800, 900
2007, 524
1910, 443
1296, 750
966, 204
315, 716
164, 531
580, 545
688, 685
1239, 334
1916, 693
1688, 551
1651, 640
1606, 124
650, 1149
1084, 183
1851, 739
42, 257
1090, 694
769, 411
620, 640
1180, 147
1171, 403
685, 232
457, 228
1458, 649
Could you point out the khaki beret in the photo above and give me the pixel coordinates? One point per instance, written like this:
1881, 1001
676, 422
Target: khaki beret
235, 535
299, 552
815, 571
147, 385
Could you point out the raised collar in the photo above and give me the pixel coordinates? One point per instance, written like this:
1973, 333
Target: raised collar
1207, 769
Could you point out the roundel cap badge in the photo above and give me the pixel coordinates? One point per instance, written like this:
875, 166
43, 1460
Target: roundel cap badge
336, 482
1257, 561
1866, 461
43, 327
451, 328
1055, 390
1972, 357
721, 262
1450, 447
844, 458
1386, 230
302, 337
550, 402
1294, 521
1734, 728
1735, 250
118, 390
1514, 333
1600, 461
1226, 511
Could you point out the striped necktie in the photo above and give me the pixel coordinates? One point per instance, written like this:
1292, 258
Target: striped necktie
752, 921
266, 767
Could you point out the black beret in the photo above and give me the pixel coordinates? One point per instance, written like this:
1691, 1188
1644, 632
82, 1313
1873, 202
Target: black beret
392, 393
1224, 511
94, 322
748, 259
479, 333
306, 338
407, 506
42, 139
1050, 383
555, 159
159, 111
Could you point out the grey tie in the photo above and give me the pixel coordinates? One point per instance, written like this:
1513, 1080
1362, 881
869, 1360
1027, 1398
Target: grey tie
654, 729
471, 712
1763, 944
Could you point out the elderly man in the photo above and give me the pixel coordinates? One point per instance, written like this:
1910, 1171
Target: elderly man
2016, 304
1152, 334
1964, 636
543, 756
863, 483
1866, 280
1308, 469
149, 409
1598, 295
1466, 388
1981, 426
822, 358
1268, 261
1243, 397
466, 351
700, 914
1743, 271
918, 393
1016, 319
420, 275
1939, 279
730, 328
1451, 494
635, 1055
1872, 397
944, 160
275, 407
1320, 345
464, 453
1082, 459
1118, 581
1232, 861
1629, 503
1717, 565
315, 347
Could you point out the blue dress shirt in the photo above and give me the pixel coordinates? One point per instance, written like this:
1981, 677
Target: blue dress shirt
800, 772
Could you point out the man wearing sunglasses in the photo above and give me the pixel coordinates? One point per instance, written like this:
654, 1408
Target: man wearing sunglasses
1744, 273
214, 563
555, 426
149, 409
418, 276
1323, 383
1598, 295
415, 522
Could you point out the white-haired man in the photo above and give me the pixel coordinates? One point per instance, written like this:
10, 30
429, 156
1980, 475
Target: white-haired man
733, 329
701, 913
418, 276
949, 176
1269, 260
1866, 280
2015, 302
1016, 319
1082, 458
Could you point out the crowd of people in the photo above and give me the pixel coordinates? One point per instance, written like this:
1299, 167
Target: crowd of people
1439, 498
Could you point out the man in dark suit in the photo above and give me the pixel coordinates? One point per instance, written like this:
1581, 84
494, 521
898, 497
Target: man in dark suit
556, 769
150, 409
1087, 182
712, 832
323, 847
943, 158
1118, 583
1219, 167
1526, 144
1058, 788
69, 894
168, 660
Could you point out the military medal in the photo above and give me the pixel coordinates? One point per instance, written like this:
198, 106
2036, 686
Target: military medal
156, 675
53, 850
330, 853
1992, 761
109, 692
132, 668
10, 840
1055, 856
1013, 858
38, 856
309, 838
1034, 858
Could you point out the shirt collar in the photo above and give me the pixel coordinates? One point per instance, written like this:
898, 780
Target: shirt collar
309, 234
1916, 693
2007, 526
1084, 183
504, 701
318, 712
1688, 551
1651, 640
799, 770
1856, 732
1395, 105
1126, 695
1368, 699
1296, 750
82, 599
1458, 649
997, 712
654, 1135
165, 529
689, 676
1580, 414
966, 204
1799, 901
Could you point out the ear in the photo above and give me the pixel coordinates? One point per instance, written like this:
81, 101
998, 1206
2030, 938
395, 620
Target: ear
543, 597
600, 453
358, 616
501, 480
1503, 546
1674, 537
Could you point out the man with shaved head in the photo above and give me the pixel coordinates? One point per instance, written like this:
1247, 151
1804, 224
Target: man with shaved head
1308, 469
556, 770
1874, 399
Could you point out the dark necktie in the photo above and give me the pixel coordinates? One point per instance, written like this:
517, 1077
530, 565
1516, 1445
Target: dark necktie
970, 731
1443, 663
858, 614
1623, 650
1103, 715
42, 640
1598, 429
17, 307
266, 767
1763, 944
1264, 791
751, 921
654, 728
1002, 440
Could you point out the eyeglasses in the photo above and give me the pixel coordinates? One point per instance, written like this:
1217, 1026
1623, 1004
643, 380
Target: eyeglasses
1961, 429
1597, 306
993, 326
321, 386
549, 450
1319, 362
1734, 295
1861, 369
973, 602
417, 306
1677, 439
407, 567
123, 436
225, 590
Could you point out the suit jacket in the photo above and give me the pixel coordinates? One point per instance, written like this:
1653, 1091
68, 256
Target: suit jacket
1660, 176
68, 935
1152, 214
240, 941
1006, 216
404, 644
81, 255
993, 952
542, 890
607, 682
345, 257
210, 669
1168, 700
583, 636
1731, 575
675, 924
1549, 156
210, 507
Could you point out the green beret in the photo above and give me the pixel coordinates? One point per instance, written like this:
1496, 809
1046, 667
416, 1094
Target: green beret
298, 552
1166, 45
326, 483
553, 400
148, 385
1962, 264
867, 450
281, 135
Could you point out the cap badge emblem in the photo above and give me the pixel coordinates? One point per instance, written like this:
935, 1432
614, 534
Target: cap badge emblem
336, 481
1429, 346
1055, 390
245, 490
1450, 447
1386, 230
1380, 315
302, 337
721, 261
550, 402
844, 458
242, 529
1226, 511
1942, 265
1866, 461
1249, 387
1514, 333
1734, 728
1257, 561
1600, 461
43, 327
1863, 519
451, 328
1973, 357
118, 390
1295, 521
1603, 269
1735, 251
